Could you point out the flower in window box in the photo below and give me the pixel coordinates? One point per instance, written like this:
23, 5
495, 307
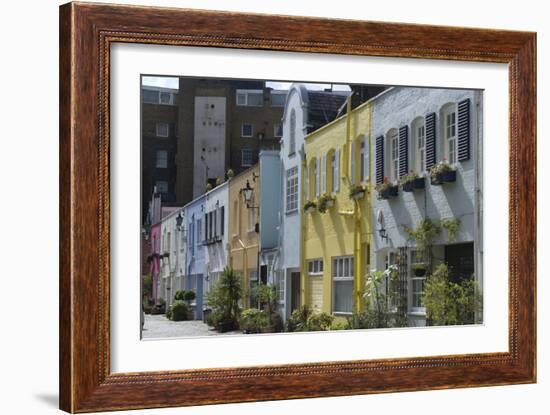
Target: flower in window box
325, 202
386, 189
441, 173
357, 192
411, 181
310, 206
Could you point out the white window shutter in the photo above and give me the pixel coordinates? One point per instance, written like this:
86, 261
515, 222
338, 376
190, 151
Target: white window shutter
336, 178
366, 155
352, 163
317, 177
306, 182
324, 178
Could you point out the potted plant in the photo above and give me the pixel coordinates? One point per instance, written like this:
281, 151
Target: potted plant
386, 190
357, 192
326, 201
419, 270
310, 206
441, 173
411, 181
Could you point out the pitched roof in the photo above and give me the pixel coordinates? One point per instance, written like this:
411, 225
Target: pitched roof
323, 107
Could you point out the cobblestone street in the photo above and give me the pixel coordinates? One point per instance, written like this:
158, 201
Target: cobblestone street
158, 326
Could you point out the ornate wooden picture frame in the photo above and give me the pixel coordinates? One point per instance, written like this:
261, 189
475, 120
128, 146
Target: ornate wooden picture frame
87, 32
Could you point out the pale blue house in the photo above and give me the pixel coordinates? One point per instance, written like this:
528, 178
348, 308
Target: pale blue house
195, 264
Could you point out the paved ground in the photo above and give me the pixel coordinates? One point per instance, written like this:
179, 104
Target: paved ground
158, 326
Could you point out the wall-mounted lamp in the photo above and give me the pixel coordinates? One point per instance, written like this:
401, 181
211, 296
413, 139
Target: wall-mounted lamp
381, 228
247, 193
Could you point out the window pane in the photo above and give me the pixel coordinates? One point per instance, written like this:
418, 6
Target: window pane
164, 97
278, 100
162, 129
241, 98
255, 99
162, 159
150, 97
162, 186
247, 130
343, 296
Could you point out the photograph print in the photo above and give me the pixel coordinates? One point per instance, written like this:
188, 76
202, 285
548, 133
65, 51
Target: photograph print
273, 206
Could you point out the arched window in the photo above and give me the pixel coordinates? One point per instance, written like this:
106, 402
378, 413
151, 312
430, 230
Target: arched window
292, 143
419, 144
364, 161
312, 179
333, 170
392, 144
449, 136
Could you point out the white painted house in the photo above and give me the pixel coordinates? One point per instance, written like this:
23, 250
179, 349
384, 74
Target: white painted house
173, 249
216, 229
413, 129
304, 112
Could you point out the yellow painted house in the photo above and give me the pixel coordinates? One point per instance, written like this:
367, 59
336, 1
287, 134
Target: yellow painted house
336, 224
242, 220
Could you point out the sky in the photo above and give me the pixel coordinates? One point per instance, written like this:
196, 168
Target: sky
167, 82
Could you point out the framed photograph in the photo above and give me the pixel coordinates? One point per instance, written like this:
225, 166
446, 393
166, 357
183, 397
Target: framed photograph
252, 208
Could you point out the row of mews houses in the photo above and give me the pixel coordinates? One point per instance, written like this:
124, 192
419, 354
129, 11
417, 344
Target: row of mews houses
314, 217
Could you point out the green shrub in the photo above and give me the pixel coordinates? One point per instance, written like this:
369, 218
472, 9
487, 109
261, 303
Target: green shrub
159, 307
363, 320
169, 313
254, 321
179, 310
448, 303
224, 299
298, 319
319, 322
179, 295
189, 296
305, 319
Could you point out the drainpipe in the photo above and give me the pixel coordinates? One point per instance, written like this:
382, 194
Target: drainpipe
245, 269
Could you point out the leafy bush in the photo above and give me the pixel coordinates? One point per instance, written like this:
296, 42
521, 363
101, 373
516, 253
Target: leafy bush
169, 313
298, 319
305, 319
159, 307
448, 303
179, 295
189, 296
363, 320
179, 310
224, 299
254, 321
319, 322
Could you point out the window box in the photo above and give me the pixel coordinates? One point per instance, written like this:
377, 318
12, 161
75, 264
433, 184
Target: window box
386, 190
414, 184
445, 177
357, 192
310, 207
325, 203
441, 173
